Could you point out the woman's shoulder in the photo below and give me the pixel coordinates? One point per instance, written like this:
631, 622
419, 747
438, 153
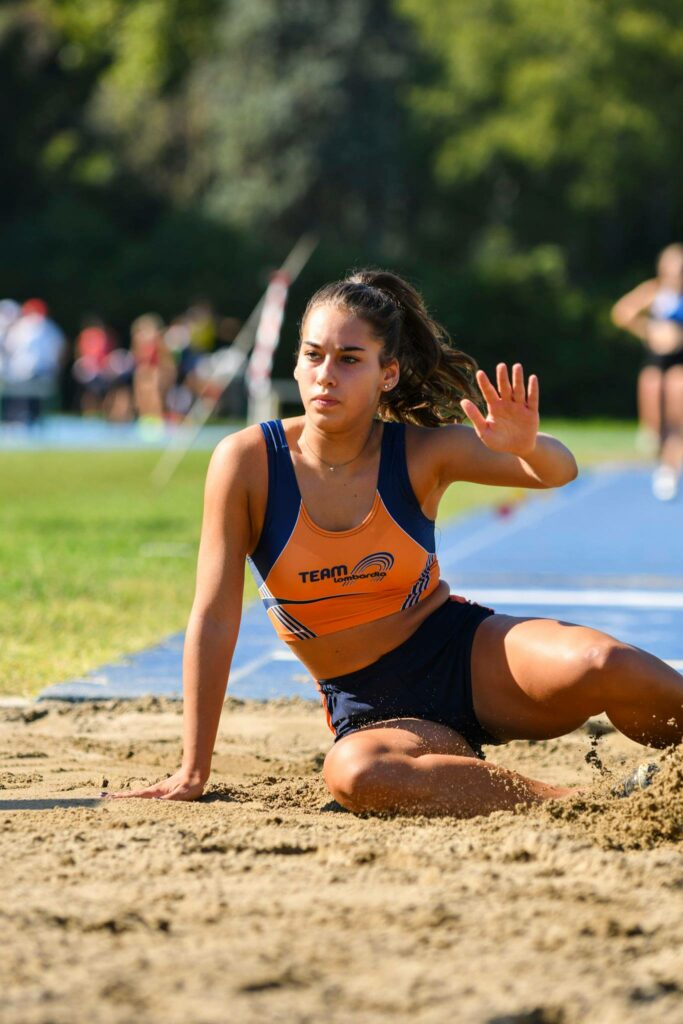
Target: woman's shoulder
423, 439
237, 479
240, 457
240, 444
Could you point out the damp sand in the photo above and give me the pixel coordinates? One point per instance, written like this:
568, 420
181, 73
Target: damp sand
265, 902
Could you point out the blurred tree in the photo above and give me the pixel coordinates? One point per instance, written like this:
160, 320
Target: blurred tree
98, 211
304, 108
567, 116
555, 151
141, 52
518, 160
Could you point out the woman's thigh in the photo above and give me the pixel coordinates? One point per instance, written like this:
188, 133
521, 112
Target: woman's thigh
536, 678
673, 389
398, 740
649, 389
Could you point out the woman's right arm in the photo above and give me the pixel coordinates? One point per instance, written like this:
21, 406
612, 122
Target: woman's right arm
215, 617
630, 312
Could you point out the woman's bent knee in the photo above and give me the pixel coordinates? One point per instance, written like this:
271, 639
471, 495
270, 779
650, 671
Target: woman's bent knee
606, 657
603, 667
360, 780
345, 772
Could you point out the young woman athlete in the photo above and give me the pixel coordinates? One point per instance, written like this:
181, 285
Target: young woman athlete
335, 511
653, 312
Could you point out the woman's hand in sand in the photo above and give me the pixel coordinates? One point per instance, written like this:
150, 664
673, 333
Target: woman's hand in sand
183, 785
511, 424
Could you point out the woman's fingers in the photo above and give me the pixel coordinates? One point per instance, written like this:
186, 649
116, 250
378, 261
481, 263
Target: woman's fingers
487, 389
473, 414
532, 400
514, 391
150, 793
518, 394
159, 792
153, 792
503, 382
182, 785
184, 793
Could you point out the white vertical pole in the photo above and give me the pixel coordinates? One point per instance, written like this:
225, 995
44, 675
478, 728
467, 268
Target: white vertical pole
259, 371
189, 429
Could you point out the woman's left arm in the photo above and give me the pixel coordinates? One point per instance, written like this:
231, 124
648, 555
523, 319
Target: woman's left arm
505, 447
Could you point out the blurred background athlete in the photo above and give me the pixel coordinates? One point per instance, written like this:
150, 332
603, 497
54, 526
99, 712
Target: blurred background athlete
653, 312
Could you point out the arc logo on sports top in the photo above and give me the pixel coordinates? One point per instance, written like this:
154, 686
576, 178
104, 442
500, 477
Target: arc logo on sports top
374, 566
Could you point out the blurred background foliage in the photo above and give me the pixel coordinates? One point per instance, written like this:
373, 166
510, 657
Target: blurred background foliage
519, 161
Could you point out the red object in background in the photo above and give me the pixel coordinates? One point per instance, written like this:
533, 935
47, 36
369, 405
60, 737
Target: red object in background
36, 306
94, 345
504, 510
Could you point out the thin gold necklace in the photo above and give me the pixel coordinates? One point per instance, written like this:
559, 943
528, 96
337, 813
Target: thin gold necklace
338, 465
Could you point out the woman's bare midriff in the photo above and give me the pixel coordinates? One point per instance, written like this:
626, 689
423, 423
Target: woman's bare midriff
339, 653
665, 337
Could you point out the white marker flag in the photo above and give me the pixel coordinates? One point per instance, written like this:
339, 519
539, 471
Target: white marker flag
267, 339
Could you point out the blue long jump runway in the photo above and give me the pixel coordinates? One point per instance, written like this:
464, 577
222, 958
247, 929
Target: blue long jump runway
601, 552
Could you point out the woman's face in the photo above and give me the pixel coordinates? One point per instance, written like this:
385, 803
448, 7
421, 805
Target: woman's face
670, 269
339, 369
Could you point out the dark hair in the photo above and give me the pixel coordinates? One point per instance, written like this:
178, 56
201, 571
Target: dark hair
434, 375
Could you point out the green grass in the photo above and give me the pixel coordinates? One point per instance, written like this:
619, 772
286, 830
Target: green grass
95, 562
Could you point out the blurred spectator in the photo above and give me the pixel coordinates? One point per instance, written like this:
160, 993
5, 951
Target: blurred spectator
201, 323
155, 371
104, 373
187, 386
91, 371
10, 311
118, 403
156, 377
33, 349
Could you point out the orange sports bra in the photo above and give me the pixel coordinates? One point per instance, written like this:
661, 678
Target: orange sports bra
314, 581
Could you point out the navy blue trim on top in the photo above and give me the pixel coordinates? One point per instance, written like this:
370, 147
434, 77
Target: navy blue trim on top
295, 627
396, 490
284, 500
284, 497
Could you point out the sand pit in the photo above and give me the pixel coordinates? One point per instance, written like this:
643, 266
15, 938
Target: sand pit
266, 902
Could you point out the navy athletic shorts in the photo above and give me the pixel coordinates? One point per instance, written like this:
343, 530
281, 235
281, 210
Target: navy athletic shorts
664, 362
426, 677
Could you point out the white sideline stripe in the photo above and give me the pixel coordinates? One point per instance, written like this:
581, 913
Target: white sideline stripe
670, 599
529, 515
251, 666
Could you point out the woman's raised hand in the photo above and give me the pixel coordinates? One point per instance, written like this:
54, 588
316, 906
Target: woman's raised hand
183, 785
511, 424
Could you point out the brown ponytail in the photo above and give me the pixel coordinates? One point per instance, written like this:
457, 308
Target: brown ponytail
434, 376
